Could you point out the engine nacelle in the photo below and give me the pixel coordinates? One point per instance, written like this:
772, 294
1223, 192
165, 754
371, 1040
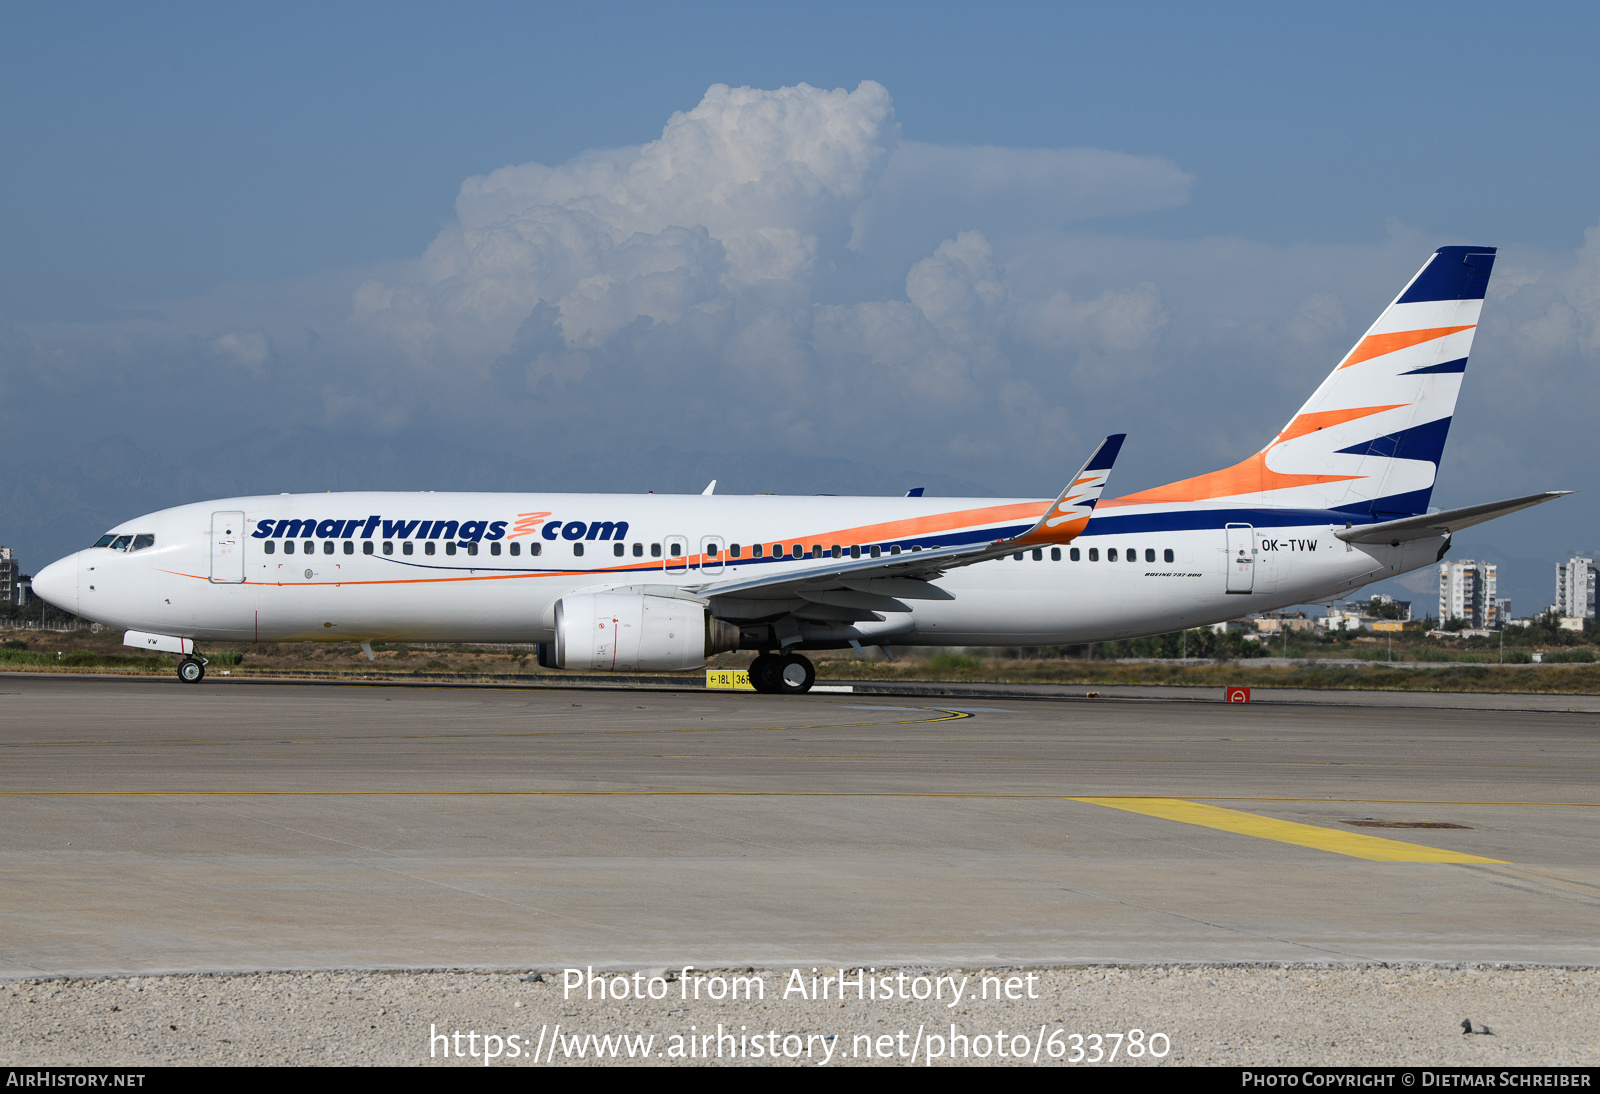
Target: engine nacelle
622, 631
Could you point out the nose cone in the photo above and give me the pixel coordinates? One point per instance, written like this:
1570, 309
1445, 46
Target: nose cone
58, 584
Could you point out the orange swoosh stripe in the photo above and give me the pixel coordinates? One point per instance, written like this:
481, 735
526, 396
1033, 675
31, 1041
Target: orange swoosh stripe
1310, 423
1376, 345
1251, 476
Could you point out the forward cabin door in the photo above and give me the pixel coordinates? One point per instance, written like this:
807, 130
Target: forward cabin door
1241, 558
227, 548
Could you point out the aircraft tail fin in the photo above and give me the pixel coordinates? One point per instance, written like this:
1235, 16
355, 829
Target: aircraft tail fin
1369, 440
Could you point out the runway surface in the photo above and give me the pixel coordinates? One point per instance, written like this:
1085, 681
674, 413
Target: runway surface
151, 826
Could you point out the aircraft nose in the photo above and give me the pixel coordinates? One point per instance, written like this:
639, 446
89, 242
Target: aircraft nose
58, 583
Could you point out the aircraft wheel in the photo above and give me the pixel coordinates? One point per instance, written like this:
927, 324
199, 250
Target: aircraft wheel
795, 675
191, 671
764, 673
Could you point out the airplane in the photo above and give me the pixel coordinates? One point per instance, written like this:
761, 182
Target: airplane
603, 582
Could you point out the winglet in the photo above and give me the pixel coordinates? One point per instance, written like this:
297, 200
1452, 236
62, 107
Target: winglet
1064, 521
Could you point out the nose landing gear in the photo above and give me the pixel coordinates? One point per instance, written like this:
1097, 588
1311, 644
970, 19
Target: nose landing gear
782, 674
192, 670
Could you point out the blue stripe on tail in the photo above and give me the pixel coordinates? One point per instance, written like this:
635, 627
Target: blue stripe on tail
1456, 273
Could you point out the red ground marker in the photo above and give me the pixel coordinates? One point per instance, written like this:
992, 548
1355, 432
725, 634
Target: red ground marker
1237, 695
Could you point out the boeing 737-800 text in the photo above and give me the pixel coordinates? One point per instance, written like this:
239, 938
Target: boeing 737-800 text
1338, 499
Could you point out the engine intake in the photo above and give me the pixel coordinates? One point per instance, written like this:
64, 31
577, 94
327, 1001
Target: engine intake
623, 631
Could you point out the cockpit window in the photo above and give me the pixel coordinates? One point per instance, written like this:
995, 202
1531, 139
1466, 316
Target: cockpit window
141, 542
121, 543
105, 540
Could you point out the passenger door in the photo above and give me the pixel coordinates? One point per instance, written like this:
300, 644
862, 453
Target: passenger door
227, 548
1241, 558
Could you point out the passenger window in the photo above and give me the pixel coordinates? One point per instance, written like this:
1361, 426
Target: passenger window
1167, 555
405, 548
835, 550
288, 546
1133, 554
915, 547
1017, 556
349, 547
308, 548
895, 549
366, 548
327, 546
1149, 554
494, 548
1055, 554
711, 550
388, 547
516, 549
876, 550
472, 549
267, 547
1038, 554
777, 550
755, 550
855, 551
427, 547
655, 550
1094, 554
577, 550
1073, 554
800, 550
450, 548
638, 550
536, 548
1111, 554
675, 550
733, 550
617, 549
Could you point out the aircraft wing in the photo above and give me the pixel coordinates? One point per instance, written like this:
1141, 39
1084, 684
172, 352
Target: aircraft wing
855, 590
1443, 523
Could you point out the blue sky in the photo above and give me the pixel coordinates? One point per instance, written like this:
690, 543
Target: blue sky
196, 195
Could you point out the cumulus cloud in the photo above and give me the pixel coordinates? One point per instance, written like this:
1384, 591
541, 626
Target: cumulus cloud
648, 283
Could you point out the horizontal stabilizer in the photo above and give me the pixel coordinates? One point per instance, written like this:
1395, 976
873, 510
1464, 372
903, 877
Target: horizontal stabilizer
1443, 523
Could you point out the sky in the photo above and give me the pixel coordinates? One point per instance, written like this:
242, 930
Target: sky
832, 248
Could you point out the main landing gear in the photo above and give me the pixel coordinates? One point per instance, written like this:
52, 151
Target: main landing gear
192, 670
782, 674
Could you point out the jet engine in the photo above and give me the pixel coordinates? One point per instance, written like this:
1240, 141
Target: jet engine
611, 631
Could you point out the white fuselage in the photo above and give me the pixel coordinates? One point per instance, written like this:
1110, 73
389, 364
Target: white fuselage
319, 582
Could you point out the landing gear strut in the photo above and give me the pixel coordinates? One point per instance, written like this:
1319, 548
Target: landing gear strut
782, 674
192, 670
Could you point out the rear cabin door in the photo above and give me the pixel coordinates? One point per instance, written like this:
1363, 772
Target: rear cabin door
1241, 558
227, 548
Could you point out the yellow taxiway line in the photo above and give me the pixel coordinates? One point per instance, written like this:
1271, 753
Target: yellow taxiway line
1354, 844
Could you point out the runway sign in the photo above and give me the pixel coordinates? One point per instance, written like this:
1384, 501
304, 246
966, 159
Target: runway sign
735, 679
1237, 695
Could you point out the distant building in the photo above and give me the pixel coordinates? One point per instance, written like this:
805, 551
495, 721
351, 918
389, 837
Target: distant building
1385, 607
1347, 618
1575, 588
1467, 592
1278, 622
10, 572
